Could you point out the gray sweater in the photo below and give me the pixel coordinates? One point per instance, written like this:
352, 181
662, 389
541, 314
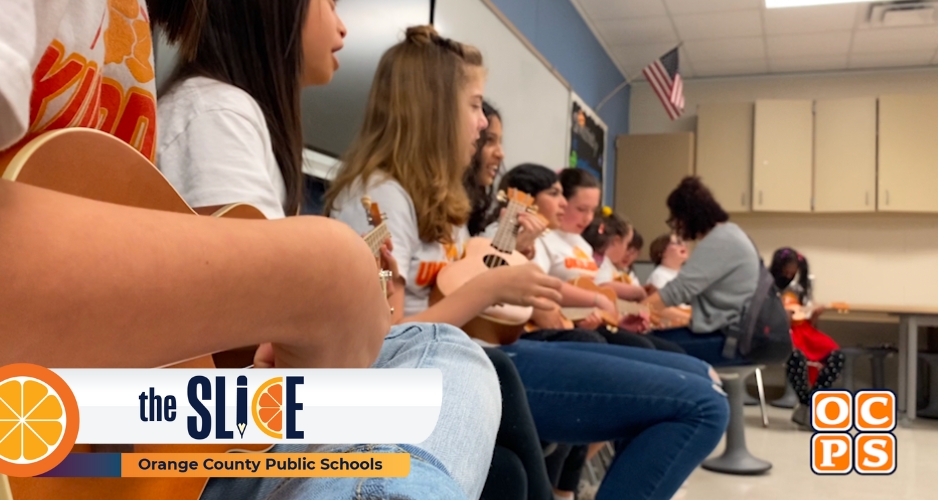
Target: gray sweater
718, 280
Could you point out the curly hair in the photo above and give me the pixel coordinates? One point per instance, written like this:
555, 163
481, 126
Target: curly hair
694, 210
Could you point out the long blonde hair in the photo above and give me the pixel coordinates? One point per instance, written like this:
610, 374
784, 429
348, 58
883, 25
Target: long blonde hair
412, 130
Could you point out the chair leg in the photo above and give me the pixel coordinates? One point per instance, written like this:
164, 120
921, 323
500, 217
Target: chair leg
736, 458
788, 400
761, 387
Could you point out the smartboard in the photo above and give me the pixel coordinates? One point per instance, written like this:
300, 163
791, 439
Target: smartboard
533, 102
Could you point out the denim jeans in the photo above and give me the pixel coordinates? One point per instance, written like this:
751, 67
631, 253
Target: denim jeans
705, 346
663, 408
451, 464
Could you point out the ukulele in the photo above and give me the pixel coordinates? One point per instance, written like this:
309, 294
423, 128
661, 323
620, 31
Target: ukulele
803, 313
95, 165
499, 324
376, 237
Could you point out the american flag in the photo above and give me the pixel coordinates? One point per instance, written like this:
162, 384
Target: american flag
663, 77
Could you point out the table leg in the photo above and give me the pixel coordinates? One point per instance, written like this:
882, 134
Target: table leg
911, 365
903, 360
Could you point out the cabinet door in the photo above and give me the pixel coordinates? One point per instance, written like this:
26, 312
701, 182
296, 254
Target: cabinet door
908, 153
724, 152
648, 168
845, 155
782, 156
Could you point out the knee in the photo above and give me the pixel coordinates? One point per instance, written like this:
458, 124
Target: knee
713, 408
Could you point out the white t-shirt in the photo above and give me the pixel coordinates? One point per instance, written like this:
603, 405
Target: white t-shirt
566, 256
419, 262
69, 63
215, 147
661, 276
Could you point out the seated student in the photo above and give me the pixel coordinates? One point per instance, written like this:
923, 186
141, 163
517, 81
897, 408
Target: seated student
610, 236
718, 279
575, 393
185, 274
626, 264
231, 131
668, 252
817, 360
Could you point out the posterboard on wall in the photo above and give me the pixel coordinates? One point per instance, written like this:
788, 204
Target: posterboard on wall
587, 138
533, 102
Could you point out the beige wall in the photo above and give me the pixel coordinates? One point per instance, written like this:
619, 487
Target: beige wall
869, 259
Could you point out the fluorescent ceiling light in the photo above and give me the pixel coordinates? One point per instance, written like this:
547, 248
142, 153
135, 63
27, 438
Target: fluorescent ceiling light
780, 4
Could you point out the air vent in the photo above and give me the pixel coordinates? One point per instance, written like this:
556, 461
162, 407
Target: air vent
902, 14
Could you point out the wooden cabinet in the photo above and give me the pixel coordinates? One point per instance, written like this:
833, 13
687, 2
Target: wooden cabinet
724, 152
845, 155
782, 156
648, 168
908, 153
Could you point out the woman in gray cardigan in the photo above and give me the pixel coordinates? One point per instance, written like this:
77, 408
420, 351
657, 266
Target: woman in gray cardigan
718, 280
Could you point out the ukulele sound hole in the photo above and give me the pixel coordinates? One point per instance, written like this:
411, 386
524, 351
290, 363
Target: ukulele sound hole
493, 261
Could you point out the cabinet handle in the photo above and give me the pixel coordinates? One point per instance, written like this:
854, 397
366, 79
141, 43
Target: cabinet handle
760, 196
867, 198
887, 197
742, 199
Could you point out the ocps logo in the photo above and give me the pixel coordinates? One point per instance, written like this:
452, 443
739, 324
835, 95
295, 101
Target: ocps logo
872, 450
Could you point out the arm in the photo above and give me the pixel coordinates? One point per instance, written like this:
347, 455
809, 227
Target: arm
710, 262
627, 292
519, 285
93, 285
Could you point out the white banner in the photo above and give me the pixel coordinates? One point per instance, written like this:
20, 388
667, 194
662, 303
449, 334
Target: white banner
183, 406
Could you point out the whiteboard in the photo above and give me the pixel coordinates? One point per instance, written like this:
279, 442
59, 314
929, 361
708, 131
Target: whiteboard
533, 102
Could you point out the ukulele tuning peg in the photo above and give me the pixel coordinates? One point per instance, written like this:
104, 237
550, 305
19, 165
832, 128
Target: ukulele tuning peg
502, 197
366, 202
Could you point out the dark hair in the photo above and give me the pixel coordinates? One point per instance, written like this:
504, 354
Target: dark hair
573, 179
603, 228
180, 20
658, 247
637, 241
785, 256
694, 211
480, 197
257, 46
529, 178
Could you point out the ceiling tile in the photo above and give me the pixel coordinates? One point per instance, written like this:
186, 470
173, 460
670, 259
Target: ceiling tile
731, 67
796, 64
677, 7
891, 59
818, 19
637, 31
895, 40
809, 45
725, 49
601, 10
719, 25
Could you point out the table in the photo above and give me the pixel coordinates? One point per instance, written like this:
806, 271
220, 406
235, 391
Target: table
910, 320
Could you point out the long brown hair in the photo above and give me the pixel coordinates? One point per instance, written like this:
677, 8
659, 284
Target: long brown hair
412, 130
257, 46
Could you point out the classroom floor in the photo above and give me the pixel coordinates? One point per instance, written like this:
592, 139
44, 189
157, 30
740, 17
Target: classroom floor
791, 478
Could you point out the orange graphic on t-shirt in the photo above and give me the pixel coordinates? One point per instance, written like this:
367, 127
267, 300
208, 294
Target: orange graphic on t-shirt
427, 272
580, 261
95, 102
127, 39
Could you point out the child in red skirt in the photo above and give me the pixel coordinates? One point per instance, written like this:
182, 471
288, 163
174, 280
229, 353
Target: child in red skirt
816, 361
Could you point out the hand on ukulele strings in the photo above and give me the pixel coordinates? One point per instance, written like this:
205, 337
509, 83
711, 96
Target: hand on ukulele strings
387, 262
549, 320
531, 227
636, 323
603, 302
525, 286
592, 322
650, 289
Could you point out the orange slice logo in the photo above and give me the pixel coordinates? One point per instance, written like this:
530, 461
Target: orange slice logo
267, 408
38, 420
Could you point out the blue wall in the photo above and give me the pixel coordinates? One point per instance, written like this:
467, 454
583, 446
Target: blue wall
562, 36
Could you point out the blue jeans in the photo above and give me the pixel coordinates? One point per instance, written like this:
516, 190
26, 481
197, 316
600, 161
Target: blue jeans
705, 346
664, 409
451, 464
